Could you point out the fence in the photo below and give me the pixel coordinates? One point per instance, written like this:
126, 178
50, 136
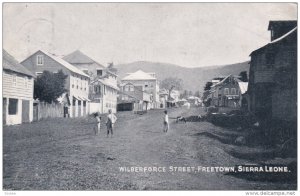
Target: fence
43, 110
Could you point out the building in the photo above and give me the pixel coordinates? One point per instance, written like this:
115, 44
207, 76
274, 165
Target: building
17, 83
133, 98
77, 82
163, 98
273, 74
228, 92
103, 89
148, 81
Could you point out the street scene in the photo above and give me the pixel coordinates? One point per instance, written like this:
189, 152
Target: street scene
137, 104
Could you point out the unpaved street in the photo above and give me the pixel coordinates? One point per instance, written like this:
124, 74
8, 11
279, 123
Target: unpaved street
64, 154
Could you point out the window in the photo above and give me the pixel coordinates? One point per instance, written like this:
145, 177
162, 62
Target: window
14, 79
226, 91
99, 72
38, 73
40, 60
131, 88
13, 106
126, 88
233, 91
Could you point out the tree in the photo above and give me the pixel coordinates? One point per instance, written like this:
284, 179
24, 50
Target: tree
244, 76
49, 86
197, 94
171, 83
208, 86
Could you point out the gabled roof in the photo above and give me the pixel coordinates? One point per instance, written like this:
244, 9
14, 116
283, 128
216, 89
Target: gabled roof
10, 63
64, 63
139, 75
105, 83
77, 57
278, 40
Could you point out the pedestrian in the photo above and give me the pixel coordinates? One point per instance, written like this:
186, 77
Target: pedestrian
166, 121
98, 119
111, 120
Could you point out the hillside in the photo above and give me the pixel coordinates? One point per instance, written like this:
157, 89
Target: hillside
193, 78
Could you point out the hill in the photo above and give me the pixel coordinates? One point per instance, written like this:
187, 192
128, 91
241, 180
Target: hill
193, 78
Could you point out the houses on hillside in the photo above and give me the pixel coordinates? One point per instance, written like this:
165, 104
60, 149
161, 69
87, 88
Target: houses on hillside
103, 89
77, 82
273, 74
17, 88
149, 83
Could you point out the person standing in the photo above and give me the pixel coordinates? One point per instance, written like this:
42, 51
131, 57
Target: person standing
98, 119
166, 121
111, 119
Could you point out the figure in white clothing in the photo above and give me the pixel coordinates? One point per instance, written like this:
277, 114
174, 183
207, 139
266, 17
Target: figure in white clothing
166, 121
111, 119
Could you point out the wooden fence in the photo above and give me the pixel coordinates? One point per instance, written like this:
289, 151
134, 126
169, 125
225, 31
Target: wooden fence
43, 110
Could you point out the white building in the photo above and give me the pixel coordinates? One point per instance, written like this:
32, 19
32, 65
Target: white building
103, 89
150, 83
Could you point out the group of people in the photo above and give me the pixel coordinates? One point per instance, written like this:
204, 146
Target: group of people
111, 120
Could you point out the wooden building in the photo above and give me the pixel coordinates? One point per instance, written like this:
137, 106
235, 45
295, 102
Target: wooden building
273, 74
17, 91
103, 89
77, 82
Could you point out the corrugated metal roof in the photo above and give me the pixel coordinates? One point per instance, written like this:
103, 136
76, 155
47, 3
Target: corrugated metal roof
243, 87
10, 63
139, 75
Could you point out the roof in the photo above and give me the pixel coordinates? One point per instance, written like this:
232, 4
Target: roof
282, 23
243, 87
106, 83
65, 64
10, 63
77, 57
294, 30
139, 75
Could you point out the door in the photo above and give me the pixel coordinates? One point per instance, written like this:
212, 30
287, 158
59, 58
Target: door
25, 111
35, 111
84, 108
79, 108
74, 108
4, 108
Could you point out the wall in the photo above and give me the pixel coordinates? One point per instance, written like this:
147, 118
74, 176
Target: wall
284, 104
20, 92
152, 87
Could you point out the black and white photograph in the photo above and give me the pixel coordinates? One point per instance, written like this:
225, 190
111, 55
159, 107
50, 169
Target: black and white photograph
149, 96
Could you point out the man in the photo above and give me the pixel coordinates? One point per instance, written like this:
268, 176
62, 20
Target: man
111, 119
166, 121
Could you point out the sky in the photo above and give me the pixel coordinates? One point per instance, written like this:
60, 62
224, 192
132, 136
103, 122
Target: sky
186, 34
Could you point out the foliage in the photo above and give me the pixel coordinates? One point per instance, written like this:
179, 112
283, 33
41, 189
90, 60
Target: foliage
49, 86
171, 83
208, 86
244, 76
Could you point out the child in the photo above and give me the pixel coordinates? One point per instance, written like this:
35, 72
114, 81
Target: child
166, 121
98, 118
111, 119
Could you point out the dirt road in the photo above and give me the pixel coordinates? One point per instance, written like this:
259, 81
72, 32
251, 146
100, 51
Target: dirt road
64, 154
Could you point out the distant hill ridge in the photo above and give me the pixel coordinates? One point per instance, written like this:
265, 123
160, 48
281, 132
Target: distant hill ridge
194, 79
